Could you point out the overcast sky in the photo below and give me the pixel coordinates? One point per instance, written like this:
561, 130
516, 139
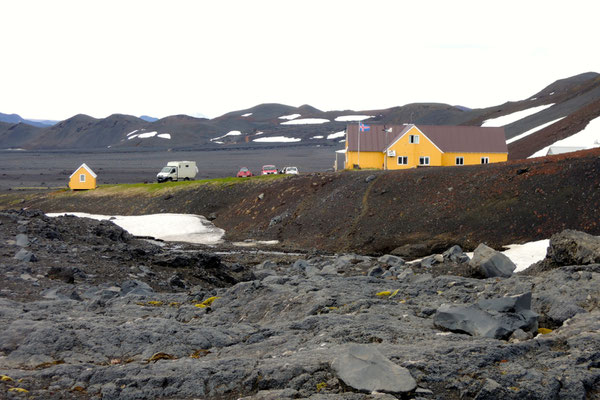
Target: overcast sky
159, 58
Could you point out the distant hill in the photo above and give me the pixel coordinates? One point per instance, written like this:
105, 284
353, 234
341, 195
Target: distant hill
148, 119
575, 99
15, 119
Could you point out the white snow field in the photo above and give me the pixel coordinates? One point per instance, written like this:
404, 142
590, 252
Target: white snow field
534, 130
230, 133
589, 137
346, 118
306, 121
276, 139
337, 135
523, 255
291, 116
169, 227
147, 135
510, 118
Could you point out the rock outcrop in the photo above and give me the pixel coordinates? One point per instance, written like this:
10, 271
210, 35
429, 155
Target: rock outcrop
100, 317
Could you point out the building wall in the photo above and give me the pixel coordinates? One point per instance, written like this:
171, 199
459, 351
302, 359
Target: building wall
368, 159
449, 159
75, 184
414, 151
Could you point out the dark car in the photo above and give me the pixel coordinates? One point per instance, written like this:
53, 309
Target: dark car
269, 170
244, 173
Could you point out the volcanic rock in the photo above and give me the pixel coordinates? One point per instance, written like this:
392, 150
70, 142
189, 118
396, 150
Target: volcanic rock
492, 263
365, 369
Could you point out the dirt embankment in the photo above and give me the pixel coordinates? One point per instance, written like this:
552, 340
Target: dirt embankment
373, 212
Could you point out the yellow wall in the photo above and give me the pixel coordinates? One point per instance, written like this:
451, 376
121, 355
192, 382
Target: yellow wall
368, 159
473, 158
414, 151
425, 148
75, 184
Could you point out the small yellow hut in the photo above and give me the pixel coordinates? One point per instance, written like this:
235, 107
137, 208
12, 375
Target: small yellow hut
83, 178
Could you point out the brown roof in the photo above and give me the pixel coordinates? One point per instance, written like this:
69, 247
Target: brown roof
448, 138
375, 139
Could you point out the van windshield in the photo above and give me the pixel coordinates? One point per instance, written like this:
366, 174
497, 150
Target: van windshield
166, 169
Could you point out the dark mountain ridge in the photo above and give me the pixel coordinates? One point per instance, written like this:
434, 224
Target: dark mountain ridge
246, 128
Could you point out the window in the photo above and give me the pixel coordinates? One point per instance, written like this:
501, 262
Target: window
82, 178
423, 160
485, 160
413, 139
460, 160
402, 160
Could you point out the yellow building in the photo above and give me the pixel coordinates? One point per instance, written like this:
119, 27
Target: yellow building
410, 146
83, 178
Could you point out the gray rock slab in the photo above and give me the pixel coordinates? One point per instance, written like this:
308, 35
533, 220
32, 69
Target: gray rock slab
571, 247
492, 263
391, 260
25, 256
365, 369
494, 318
22, 240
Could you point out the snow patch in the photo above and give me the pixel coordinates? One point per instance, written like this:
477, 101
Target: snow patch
523, 255
317, 137
291, 116
169, 227
276, 139
230, 133
510, 118
164, 135
246, 115
587, 138
337, 135
306, 121
534, 130
132, 132
344, 118
259, 133
147, 135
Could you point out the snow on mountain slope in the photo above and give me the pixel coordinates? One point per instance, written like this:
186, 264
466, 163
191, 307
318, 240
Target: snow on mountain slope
277, 139
349, 118
534, 130
510, 118
306, 121
587, 138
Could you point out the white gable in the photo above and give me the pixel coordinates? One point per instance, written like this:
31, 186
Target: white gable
88, 169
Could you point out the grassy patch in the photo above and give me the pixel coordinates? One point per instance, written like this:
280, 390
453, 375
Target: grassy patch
182, 185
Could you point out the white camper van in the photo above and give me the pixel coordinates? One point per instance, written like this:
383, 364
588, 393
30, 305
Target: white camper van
178, 171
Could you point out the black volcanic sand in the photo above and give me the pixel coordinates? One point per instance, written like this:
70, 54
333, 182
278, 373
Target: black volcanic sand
24, 169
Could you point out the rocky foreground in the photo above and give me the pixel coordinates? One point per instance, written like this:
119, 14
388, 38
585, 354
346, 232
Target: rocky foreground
88, 311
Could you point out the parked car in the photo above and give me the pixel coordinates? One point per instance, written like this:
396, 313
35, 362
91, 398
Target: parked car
290, 170
244, 173
269, 170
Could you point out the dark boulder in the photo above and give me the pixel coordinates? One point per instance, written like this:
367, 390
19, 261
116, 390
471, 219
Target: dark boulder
494, 318
492, 263
364, 368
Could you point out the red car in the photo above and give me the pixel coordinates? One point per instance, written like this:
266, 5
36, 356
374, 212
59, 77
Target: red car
244, 173
269, 170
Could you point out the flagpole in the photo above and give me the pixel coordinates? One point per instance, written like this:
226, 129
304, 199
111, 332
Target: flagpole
358, 132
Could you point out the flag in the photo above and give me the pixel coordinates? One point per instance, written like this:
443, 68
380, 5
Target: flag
363, 128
